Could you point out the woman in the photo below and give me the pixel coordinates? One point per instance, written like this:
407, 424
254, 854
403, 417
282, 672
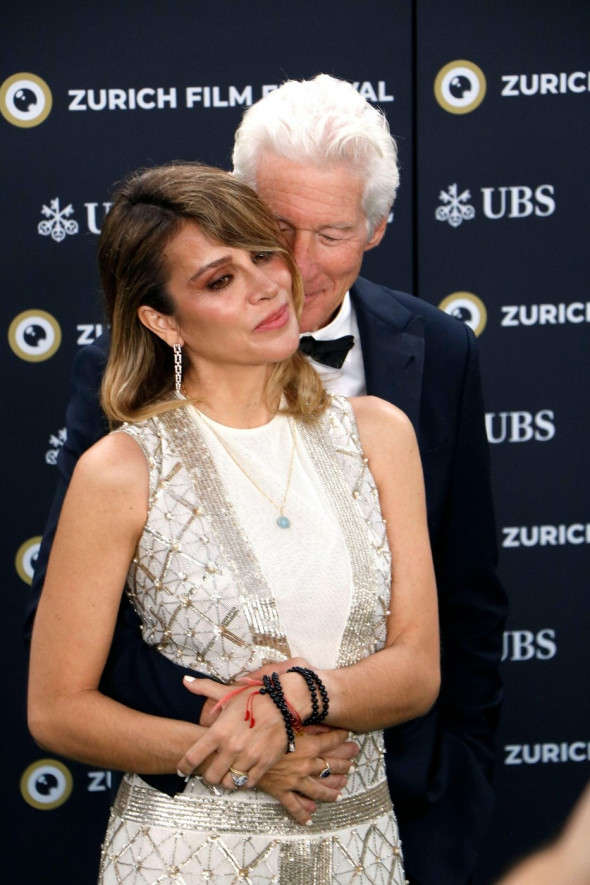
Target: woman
237, 502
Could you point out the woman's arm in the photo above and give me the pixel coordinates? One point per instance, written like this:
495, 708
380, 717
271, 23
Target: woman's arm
404, 677
102, 518
397, 683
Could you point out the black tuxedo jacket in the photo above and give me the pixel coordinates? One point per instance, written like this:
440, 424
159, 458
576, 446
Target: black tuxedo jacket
439, 766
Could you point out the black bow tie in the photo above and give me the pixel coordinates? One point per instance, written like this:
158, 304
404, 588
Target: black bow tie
330, 353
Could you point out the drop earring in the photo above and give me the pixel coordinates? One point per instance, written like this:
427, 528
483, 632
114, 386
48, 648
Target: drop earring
177, 367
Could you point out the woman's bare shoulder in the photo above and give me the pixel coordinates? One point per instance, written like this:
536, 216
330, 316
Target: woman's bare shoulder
376, 417
115, 464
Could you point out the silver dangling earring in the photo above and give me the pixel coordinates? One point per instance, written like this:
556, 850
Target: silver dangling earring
177, 367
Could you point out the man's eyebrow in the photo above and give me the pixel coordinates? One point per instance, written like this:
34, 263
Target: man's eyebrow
342, 225
210, 266
335, 225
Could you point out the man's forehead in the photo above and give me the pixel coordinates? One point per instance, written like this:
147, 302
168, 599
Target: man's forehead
331, 194
321, 227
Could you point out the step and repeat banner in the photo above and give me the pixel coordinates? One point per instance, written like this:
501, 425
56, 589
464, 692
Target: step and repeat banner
502, 140
490, 106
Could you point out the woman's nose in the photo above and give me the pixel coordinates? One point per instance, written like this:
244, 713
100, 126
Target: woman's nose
264, 286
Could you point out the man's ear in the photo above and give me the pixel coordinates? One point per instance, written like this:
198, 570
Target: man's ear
378, 234
160, 324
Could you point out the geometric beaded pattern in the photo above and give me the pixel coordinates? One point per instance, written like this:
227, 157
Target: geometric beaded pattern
195, 581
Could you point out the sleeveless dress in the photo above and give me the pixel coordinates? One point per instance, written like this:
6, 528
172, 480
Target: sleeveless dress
220, 588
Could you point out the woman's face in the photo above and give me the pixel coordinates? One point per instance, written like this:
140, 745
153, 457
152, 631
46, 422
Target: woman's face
232, 307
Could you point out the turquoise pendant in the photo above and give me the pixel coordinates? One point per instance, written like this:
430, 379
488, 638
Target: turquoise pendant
283, 522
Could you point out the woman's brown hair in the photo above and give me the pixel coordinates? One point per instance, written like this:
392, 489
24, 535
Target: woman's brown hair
148, 210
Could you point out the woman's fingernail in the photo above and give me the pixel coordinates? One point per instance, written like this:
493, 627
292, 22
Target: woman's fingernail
309, 823
338, 798
189, 678
181, 774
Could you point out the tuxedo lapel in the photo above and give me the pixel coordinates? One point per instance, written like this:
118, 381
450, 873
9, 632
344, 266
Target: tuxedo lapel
392, 339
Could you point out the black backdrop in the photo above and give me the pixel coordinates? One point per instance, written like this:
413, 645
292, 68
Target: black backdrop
489, 102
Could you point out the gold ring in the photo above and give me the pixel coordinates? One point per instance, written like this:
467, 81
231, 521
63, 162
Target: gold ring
326, 770
240, 778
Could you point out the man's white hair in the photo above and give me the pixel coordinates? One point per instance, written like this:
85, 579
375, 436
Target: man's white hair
323, 122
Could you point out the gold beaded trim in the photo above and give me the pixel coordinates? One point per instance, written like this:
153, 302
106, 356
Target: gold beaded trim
145, 805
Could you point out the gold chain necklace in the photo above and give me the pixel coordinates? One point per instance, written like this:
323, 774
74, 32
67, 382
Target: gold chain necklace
283, 521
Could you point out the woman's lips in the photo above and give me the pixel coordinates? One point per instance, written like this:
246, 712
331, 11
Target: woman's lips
275, 320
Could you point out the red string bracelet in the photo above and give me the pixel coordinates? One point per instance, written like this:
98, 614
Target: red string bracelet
249, 716
249, 683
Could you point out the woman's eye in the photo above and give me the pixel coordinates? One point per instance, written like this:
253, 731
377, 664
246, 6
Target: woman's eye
262, 257
219, 283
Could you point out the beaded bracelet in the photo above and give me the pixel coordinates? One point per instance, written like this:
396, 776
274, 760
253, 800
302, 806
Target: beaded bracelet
312, 679
272, 687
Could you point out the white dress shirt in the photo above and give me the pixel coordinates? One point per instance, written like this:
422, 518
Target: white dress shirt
350, 379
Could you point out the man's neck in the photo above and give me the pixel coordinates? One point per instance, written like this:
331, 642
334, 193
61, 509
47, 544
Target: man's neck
337, 321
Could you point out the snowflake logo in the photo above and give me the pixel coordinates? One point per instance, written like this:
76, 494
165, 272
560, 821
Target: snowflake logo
455, 210
56, 441
59, 223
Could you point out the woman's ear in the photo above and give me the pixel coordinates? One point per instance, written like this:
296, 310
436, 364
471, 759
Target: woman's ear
160, 324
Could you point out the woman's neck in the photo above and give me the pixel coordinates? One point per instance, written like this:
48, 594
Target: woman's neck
235, 399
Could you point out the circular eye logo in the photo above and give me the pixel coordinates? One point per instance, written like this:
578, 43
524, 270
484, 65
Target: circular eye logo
34, 335
26, 558
46, 784
467, 307
25, 100
460, 87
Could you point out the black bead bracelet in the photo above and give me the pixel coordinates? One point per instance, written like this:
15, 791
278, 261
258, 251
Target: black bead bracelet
272, 687
312, 679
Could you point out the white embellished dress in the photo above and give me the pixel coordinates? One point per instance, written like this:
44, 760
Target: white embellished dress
222, 589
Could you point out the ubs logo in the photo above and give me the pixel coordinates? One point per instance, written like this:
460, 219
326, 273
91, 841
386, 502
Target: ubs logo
56, 441
514, 201
25, 100
34, 335
520, 427
46, 784
58, 223
468, 308
460, 87
524, 645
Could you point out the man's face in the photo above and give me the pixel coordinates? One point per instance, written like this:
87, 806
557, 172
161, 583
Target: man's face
321, 216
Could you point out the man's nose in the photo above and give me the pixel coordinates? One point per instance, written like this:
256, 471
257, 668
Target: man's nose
303, 251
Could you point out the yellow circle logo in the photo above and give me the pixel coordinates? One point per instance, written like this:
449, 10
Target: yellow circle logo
25, 100
34, 335
460, 87
468, 308
26, 557
46, 784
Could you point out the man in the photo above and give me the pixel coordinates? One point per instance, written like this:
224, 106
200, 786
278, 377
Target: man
324, 160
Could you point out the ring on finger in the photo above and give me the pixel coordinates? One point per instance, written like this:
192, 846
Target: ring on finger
326, 770
240, 778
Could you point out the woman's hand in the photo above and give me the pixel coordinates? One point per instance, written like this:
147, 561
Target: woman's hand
232, 741
295, 780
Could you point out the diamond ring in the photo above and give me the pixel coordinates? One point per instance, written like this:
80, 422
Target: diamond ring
326, 770
240, 778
